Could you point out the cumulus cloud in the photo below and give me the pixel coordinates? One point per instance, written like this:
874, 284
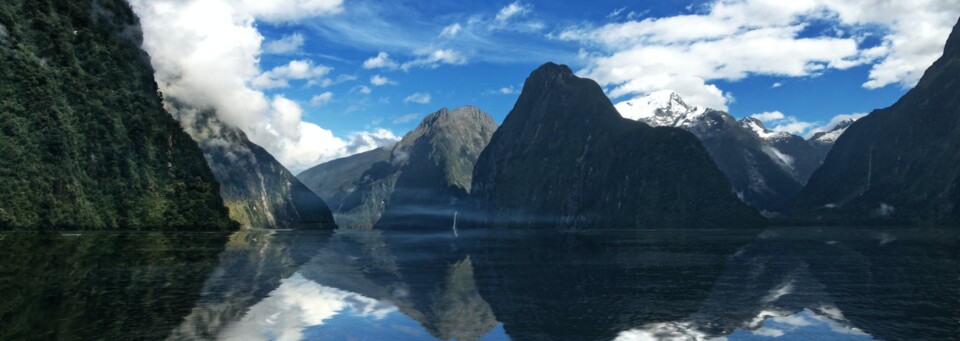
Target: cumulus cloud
322, 99
451, 31
776, 85
733, 39
280, 76
514, 9
206, 56
778, 121
381, 61
286, 44
378, 80
363, 89
418, 97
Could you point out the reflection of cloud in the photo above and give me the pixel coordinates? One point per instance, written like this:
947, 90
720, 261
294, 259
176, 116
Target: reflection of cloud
826, 322
299, 303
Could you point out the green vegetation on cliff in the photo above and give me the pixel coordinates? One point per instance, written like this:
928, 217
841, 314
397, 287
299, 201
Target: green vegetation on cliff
84, 140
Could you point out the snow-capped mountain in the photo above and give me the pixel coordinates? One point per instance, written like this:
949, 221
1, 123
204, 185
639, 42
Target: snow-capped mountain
660, 109
765, 167
824, 140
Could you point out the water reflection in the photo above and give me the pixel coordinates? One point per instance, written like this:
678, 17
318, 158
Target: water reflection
783, 283
93, 286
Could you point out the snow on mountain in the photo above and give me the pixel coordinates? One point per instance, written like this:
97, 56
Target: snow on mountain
765, 167
660, 109
757, 127
830, 136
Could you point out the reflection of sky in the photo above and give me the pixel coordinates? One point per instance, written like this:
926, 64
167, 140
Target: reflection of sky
827, 323
300, 309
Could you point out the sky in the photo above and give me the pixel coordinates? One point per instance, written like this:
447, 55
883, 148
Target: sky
315, 80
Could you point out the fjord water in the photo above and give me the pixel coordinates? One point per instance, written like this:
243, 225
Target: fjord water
785, 283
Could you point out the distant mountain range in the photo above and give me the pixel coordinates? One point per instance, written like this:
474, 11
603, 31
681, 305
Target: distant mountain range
766, 168
565, 158
417, 182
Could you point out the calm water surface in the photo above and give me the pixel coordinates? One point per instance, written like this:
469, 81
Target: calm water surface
775, 284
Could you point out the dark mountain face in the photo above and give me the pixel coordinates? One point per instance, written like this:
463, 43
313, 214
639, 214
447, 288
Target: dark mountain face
765, 167
415, 183
334, 180
564, 157
257, 189
897, 165
84, 140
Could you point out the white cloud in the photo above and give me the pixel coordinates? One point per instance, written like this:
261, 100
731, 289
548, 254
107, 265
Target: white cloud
769, 116
405, 118
328, 82
287, 44
731, 40
279, 76
279, 11
322, 99
451, 31
778, 121
418, 97
776, 85
433, 59
206, 56
381, 61
508, 90
378, 80
514, 9
363, 89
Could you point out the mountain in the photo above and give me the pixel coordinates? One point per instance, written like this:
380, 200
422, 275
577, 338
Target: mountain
824, 140
765, 167
85, 142
564, 157
899, 165
257, 189
416, 182
334, 180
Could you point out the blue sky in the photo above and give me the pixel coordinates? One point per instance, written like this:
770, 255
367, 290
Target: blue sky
314, 64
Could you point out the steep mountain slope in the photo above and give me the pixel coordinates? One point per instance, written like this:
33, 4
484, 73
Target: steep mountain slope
897, 165
420, 180
765, 167
257, 189
84, 140
334, 180
564, 157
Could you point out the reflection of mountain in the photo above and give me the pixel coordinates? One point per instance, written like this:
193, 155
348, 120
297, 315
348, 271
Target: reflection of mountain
99, 286
591, 286
252, 266
298, 280
419, 274
848, 284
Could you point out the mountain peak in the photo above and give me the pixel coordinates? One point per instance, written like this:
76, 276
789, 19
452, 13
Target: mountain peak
659, 108
552, 70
